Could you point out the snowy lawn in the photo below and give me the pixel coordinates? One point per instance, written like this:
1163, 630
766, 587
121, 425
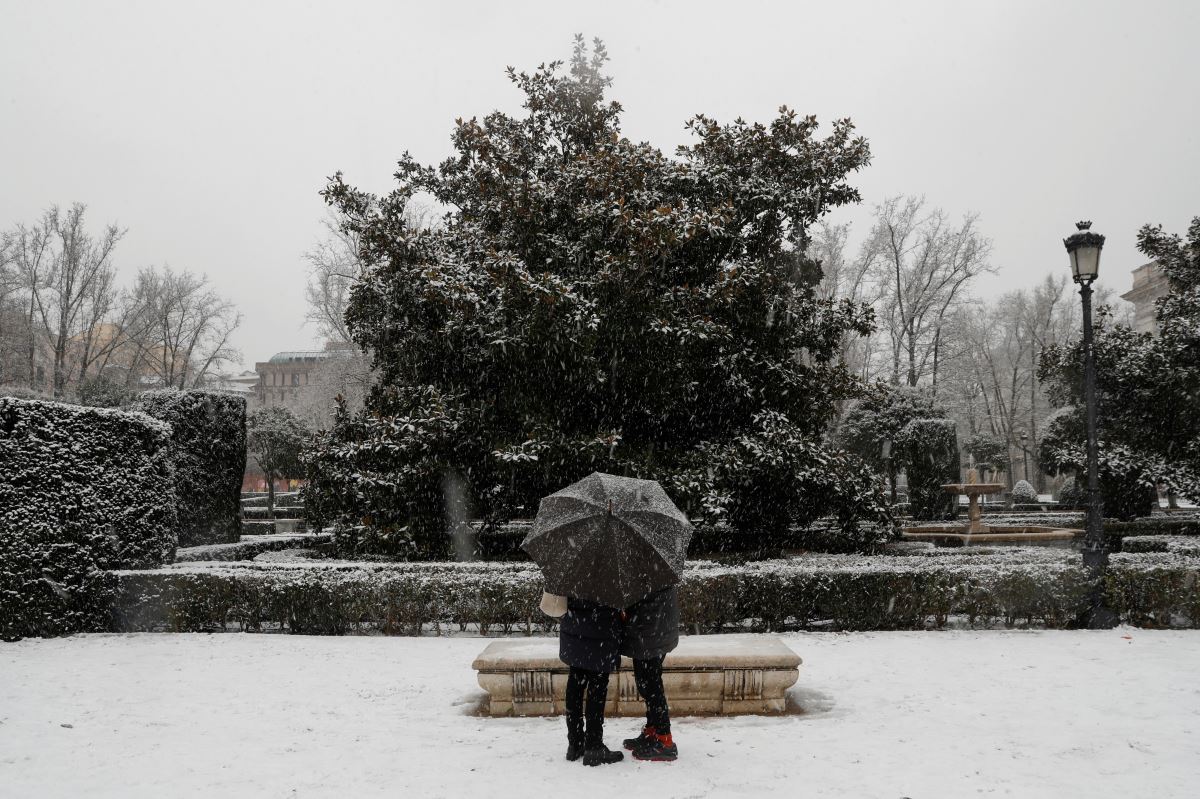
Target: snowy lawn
935, 714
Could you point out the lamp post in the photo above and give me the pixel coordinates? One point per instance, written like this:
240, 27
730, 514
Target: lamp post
1025, 454
1084, 247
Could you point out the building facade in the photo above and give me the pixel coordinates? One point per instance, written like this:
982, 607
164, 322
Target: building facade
1149, 284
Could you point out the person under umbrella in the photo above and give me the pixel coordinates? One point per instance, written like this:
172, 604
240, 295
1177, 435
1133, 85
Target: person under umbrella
652, 631
589, 640
606, 543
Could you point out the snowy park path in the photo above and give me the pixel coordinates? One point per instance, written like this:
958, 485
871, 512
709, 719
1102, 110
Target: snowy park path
939, 714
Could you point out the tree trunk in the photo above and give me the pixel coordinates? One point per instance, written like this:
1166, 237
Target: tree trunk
270, 495
1038, 484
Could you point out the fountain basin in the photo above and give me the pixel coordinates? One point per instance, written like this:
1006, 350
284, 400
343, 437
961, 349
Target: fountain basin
993, 534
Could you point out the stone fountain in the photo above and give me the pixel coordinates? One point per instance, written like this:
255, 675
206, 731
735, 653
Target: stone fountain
976, 532
974, 490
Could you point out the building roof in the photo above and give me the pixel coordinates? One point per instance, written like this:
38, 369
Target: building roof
298, 355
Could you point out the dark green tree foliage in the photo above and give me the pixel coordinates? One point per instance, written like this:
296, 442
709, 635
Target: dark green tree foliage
208, 448
275, 439
591, 303
1148, 391
1127, 481
932, 446
882, 415
989, 453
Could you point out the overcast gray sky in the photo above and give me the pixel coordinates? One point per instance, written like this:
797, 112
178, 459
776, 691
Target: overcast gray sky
208, 128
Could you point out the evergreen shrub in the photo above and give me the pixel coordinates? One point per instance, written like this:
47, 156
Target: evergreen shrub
1024, 494
932, 462
82, 490
208, 445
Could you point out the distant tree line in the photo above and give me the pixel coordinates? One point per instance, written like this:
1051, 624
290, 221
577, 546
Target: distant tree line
69, 328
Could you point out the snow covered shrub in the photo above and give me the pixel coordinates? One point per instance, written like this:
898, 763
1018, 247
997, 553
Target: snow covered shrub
82, 490
101, 392
376, 476
989, 453
208, 445
591, 303
1024, 494
1127, 476
774, 479
932, 462
275, 438
880, 417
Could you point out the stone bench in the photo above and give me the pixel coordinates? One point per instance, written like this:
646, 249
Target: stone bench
706, 675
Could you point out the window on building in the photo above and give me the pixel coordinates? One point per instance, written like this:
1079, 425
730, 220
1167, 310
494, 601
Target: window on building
295, 378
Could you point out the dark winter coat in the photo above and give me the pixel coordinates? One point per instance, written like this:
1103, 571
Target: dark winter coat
652, 625
589, 636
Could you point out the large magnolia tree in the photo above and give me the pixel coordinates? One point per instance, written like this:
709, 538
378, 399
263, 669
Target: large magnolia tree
591, 303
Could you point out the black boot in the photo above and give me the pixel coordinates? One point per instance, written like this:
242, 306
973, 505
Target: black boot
601, 755
643, 738
658, 748
575, 739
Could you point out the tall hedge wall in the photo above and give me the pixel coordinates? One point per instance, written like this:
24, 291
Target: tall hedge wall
932, 462
82, 490
208, 443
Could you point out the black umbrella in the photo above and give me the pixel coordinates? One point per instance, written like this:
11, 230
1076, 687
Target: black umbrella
610, 539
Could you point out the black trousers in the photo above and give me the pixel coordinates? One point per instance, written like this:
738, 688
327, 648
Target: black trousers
585, 719
648, 676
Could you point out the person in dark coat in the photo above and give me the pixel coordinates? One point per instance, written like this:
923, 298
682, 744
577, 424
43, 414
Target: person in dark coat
589, 641
651, 631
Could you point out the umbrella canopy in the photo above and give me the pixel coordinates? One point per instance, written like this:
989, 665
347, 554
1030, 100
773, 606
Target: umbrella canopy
610, 539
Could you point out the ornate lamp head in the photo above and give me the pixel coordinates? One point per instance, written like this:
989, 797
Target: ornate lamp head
1084, 247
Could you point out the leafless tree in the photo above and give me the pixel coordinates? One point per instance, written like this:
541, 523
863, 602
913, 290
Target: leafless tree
335, 265
69, 276
845, 277
179, 330
924, 264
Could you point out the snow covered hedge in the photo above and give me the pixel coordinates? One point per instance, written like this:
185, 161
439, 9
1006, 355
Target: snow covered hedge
209, 450
1156, 589
82, 490
852, 592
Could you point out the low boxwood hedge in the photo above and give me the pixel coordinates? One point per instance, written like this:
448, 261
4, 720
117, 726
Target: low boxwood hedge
1157, 590
250, 546
1005, 587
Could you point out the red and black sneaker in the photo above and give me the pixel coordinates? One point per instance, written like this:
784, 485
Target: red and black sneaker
658, 748
643, 737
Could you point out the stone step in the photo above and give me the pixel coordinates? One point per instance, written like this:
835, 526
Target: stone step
706, 675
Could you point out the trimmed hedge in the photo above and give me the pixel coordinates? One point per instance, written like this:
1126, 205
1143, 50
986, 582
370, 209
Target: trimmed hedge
283, 499
251, 546
209, 450
261, 514
1155, 590
850, 592
82, 490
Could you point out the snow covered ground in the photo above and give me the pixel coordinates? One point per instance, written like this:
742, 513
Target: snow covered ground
937, 714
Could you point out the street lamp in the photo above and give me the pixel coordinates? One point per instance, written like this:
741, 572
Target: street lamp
1025, 454
1084, 247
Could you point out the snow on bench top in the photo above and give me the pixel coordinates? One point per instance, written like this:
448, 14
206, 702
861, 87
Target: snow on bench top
693, 653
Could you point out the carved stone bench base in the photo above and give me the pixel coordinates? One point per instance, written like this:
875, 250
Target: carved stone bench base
707, 675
